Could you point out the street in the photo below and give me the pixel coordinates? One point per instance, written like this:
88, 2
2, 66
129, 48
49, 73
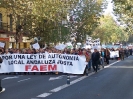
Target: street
113, 82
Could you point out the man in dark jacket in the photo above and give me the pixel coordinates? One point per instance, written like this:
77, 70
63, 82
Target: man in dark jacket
95, 59
1, 89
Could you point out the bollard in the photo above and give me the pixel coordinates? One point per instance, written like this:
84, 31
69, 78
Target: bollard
87, 72
68, 79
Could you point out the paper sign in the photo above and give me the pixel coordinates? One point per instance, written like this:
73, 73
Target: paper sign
60, 47
2, 44
36, 46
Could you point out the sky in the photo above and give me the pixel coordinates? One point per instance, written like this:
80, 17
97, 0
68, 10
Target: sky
109, 8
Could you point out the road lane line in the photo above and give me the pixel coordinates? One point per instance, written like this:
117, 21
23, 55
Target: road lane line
71, 83
111, 64
77, 80
10, 77
23, 80
44, 95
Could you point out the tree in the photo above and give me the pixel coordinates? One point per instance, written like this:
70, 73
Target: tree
123, 10
43, 18
109, 31
39, 17
85, 18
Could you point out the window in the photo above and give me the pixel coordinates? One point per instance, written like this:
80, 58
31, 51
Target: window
0, 21
11, 20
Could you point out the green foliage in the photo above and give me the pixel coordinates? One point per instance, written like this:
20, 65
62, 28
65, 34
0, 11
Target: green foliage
109, 31
43, 18
87, 18
123, 9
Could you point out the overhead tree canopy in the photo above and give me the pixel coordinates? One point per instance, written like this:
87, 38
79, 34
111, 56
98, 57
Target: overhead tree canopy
109, 31
123, 9
85, 18
44, 18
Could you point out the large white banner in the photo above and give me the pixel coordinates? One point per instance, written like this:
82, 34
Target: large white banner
47, 62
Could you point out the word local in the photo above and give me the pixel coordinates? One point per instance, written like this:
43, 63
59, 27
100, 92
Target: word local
43, 68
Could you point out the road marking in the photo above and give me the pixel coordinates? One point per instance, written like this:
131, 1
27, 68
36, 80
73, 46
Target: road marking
10, 77
54, 78
111, 64
60, 77
44, 95
73, 76
23, 80
59, 88
71, 83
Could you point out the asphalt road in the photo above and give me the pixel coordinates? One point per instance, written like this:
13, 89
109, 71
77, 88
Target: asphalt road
113, 82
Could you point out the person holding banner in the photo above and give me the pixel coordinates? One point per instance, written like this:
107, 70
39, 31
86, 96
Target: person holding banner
87, 59
90, 61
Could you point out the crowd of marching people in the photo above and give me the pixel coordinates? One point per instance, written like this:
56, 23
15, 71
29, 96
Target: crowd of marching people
94, 58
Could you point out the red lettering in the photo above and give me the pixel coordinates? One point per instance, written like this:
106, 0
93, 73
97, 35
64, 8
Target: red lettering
35, 68
43, 67
52, 68
27, 67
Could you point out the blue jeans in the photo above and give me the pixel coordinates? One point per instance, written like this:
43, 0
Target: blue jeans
102, 61
89, 64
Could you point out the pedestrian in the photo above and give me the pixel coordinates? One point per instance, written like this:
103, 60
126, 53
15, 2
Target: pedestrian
90, 61
107, 55
95, 59
1, 88
85, 55
121, 53
102, 57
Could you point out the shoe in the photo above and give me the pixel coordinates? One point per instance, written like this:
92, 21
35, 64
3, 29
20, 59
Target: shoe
3, 89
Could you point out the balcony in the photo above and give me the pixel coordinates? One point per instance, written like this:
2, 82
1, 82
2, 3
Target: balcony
3, 26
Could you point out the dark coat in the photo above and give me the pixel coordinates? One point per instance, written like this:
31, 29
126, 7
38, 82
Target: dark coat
95, 56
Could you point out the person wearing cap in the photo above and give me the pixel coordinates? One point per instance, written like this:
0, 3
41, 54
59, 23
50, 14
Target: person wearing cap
95, 59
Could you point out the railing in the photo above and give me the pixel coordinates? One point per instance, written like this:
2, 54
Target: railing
3, 26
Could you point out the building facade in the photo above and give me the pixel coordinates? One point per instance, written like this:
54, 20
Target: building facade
8, 31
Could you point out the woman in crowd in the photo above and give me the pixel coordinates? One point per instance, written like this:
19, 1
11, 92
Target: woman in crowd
107, 55
102, 57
